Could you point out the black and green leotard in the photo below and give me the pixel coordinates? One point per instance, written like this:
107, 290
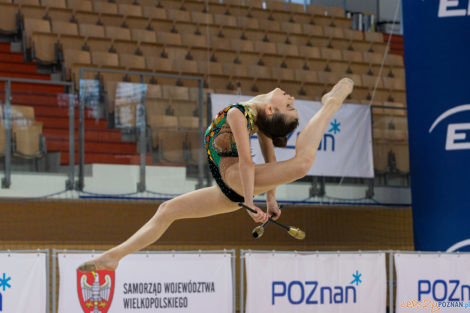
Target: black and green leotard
219, 143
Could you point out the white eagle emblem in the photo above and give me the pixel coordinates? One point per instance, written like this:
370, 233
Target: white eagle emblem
96, 296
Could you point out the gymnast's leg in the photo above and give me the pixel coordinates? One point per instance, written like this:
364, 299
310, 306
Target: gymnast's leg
199, 203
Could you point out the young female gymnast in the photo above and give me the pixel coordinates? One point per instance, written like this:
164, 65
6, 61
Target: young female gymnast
227, 141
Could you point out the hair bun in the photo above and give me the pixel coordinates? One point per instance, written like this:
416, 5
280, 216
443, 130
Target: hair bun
280, 142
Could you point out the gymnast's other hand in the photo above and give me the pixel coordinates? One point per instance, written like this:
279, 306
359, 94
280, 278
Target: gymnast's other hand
260, 216
273, 209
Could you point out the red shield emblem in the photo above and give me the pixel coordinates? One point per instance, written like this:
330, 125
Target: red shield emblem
95, 290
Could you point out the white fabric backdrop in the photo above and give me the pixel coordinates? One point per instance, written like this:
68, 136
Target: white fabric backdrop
352, 155
23, 282
444, 278
151, 275
280, 283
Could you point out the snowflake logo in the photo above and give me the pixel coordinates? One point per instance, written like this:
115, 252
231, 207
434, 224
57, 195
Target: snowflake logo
335, 127
357, 278
4, 282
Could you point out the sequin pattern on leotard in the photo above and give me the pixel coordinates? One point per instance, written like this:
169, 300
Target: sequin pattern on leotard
219, 143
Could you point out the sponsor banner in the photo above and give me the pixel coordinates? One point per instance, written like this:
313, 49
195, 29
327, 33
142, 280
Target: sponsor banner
433, 283
323, 283
148, 283
346, 147
437, 50
23, 282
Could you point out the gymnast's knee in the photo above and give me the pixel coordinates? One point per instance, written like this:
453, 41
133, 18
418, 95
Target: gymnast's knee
165, 212
302, 166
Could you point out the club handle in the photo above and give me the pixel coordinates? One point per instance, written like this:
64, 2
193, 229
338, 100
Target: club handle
250, 209
272, 215
279, 224
269, 219
247, 207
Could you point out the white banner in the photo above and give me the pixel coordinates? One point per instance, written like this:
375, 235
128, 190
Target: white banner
323, 283
23, 282
433, 283
346, 147
148, 283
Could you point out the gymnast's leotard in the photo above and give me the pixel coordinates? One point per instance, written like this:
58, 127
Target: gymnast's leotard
220, 144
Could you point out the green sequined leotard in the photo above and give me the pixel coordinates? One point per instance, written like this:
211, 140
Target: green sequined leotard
219, 143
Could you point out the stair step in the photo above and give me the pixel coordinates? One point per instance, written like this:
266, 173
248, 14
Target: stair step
61, 112
5, 47
90, 124
13, 57
102, 158
121, 148
24, 68
113, 136
25, 75
33, 89
39, 98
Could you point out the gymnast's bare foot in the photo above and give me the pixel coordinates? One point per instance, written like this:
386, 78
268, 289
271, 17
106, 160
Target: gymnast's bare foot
101, 262
338, 93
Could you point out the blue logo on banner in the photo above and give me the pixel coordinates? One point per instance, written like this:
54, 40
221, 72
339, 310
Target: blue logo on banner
4, 283
438, 101
444, 290
357, 278
457, 133
312, 292
335, 127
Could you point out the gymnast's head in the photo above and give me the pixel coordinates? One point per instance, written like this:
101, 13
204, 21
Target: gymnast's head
276, 115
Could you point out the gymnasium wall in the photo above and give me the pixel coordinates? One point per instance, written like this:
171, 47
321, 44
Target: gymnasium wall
99, 224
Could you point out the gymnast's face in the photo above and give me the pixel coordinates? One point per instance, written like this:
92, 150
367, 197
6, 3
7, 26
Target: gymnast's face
283, 103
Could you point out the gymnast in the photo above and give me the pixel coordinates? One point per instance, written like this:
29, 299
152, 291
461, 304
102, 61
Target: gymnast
227, 142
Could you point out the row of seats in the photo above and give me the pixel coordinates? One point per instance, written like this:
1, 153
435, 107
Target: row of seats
46, 47
27, 140
177, 108
176, 146
305, 34
172, 17
253, 86
275, 10
190, 34
90, 24
307, 91
170, 94
135, 62
220, 21
160, 114
166, 106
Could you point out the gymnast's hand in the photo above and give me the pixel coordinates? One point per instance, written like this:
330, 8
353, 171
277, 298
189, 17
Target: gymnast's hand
273, 209
260, 216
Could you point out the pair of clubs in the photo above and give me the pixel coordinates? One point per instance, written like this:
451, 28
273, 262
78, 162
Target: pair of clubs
259, 230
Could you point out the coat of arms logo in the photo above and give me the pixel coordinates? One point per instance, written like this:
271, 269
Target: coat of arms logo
95, 290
